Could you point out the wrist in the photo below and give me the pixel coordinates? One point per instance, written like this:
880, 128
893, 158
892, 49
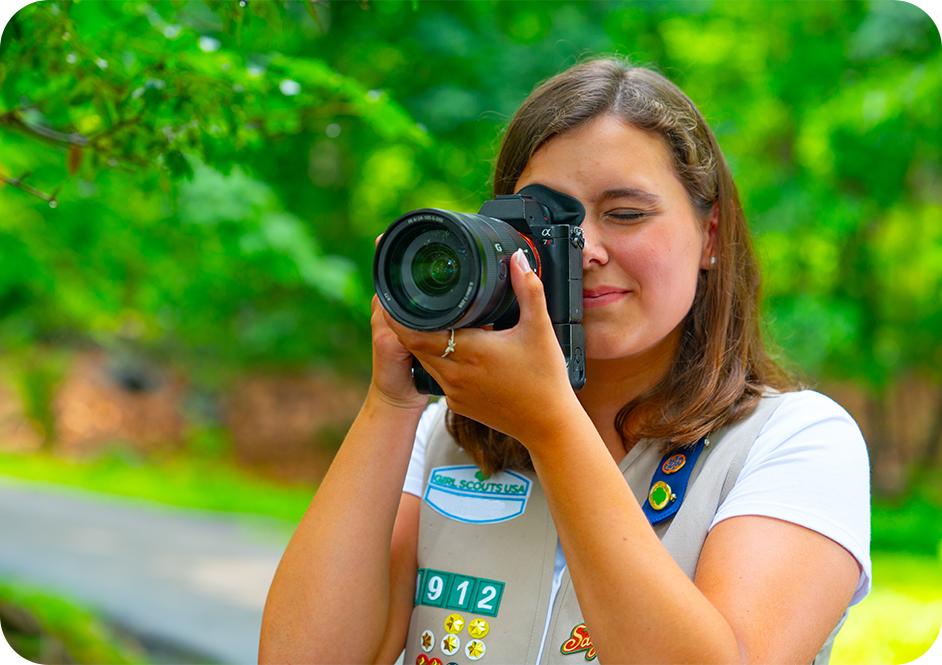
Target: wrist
377, 399
550, 436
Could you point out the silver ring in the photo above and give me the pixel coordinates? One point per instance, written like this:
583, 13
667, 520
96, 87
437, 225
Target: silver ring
451, 344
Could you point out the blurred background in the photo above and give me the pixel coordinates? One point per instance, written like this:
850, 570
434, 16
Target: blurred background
189, 193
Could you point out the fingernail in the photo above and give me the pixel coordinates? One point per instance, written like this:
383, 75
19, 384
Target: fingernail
521, 260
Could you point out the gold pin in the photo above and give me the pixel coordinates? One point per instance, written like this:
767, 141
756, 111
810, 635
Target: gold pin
479, 628
454, 624
475, 649
427, 640
450, 645
660, 495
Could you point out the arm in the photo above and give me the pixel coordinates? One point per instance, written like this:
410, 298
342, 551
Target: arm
348, 562
402, 578
639, 606
787, 591
338, 568
765, 591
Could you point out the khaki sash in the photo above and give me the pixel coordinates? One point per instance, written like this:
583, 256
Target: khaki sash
487, 546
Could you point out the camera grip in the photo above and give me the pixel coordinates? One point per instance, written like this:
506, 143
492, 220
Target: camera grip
571, 337
424, 382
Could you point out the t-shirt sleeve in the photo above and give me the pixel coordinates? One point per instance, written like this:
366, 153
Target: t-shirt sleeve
809, 466
415, 475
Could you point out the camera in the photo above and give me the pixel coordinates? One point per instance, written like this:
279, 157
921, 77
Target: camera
438, 269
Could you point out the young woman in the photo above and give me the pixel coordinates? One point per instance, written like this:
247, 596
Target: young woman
531, 527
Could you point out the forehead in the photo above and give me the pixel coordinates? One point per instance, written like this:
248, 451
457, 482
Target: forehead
605, 153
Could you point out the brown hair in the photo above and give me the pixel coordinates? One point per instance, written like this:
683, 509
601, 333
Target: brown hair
721, 368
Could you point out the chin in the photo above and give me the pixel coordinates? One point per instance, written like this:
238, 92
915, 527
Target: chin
610, 347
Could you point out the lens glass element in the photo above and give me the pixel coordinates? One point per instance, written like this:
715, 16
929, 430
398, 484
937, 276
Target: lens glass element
435, 269
428, 269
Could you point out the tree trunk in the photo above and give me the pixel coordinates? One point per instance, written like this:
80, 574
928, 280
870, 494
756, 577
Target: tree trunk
928, 458
886, 459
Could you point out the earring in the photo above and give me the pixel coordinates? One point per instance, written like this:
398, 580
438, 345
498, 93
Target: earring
712, 260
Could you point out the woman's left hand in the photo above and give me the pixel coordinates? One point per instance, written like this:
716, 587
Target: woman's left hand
515, 380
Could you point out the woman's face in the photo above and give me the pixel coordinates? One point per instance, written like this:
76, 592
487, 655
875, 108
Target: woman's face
644, 242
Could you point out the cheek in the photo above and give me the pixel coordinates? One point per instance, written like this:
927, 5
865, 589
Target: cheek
667, 267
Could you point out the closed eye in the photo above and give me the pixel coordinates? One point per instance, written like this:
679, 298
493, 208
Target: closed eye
628, 215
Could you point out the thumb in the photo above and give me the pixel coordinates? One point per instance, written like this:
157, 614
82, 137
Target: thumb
528, 288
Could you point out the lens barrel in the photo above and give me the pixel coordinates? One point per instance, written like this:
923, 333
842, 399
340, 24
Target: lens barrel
437, 269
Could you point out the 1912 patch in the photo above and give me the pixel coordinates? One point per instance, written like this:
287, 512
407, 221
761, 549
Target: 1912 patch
465, 494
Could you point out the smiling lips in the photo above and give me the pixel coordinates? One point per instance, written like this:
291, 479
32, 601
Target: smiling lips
602, 295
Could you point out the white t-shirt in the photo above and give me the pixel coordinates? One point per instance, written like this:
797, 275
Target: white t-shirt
808, 465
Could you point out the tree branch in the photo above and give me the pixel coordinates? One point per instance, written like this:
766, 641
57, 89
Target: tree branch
313, 12
13, 119
29, 189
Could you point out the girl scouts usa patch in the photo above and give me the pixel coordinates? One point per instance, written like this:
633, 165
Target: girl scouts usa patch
465, 494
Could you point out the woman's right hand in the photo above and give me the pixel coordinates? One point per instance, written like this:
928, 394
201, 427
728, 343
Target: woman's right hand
392, 364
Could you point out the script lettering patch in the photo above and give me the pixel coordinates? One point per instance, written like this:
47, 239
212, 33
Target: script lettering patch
578, 642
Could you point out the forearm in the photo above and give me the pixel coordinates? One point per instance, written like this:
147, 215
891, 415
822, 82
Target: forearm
638, 605
335, 570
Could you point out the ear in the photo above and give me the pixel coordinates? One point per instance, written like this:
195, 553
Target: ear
709, 237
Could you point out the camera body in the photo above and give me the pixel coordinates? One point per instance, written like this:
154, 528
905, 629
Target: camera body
437, 269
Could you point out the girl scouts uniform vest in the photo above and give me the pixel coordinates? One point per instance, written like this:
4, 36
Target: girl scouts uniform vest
487, 547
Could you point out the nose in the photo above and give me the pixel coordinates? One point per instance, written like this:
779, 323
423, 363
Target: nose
594, 252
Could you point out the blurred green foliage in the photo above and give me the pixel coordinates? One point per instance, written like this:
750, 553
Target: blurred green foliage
38, 374
46, 628
202, 483
220, 169
910, 523
902, 616
201, 181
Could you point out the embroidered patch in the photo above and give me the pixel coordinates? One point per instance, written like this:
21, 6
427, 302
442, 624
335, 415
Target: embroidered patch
674, 463
464, 494
578, 642
451, 591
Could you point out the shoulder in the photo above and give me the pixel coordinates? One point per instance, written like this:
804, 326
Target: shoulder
431, 417
809, 465
809, 429
433, 413
809, 418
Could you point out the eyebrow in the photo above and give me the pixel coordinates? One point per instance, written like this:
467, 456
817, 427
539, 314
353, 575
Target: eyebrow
629, 192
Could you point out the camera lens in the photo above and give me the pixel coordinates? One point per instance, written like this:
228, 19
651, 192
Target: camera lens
438, 269
425, 265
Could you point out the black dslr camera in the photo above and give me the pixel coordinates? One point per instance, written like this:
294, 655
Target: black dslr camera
437, 269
